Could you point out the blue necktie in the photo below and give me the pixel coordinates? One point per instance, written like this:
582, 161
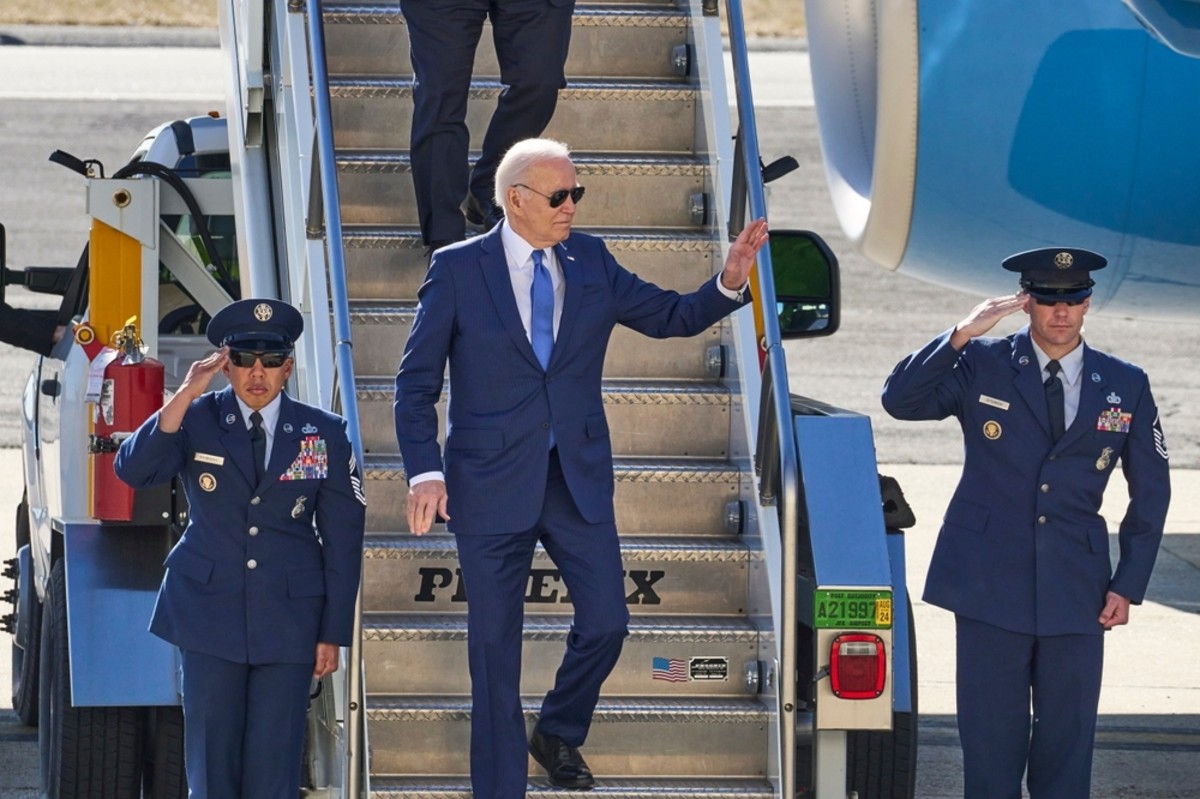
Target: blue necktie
541, 317
541, 320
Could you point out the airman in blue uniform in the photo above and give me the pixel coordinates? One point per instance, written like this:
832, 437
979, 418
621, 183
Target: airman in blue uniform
260, 590
1022, 558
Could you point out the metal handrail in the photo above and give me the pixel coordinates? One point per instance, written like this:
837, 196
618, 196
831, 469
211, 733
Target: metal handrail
775, 415
344, 364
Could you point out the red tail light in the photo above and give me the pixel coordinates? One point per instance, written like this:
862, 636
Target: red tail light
858, 666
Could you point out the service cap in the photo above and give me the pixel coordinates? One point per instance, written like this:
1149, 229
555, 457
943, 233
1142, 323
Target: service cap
261, 325
1056, 274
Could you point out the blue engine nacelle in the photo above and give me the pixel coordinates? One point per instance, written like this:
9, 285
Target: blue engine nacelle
957, 133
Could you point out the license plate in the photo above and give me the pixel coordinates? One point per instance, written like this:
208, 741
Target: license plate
840, 609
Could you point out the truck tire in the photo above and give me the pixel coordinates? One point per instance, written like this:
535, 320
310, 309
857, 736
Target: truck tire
86, 752
25, 661
164, 776
883, 765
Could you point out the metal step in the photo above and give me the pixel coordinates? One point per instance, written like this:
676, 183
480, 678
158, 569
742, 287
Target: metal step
709, 737
389, 263
654, 496
380, 330
710, 654
650, 190
681, 418
608, 40
396, 787
375, 113
702, 575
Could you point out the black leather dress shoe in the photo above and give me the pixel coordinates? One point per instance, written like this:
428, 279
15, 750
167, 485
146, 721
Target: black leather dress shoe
482, 215
562, 761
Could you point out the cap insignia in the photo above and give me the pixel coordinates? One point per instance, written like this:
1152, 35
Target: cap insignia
262, 311
1063, 260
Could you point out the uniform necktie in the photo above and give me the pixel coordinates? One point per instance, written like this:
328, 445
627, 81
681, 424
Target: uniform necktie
258, 441
1054, 400
541, 318
541, 321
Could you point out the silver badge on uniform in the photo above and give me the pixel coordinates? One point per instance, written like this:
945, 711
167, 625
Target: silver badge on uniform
298, 508
287, 427
230, 419
308, 429
1104, 459
1095, 377
1023, 360
208, 482
992, 430
1112, 398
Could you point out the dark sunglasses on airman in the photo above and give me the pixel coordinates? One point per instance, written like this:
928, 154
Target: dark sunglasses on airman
1040, 301
246, 358
559, 197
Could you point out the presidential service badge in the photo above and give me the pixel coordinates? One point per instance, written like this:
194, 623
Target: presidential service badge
208, 482
992, 430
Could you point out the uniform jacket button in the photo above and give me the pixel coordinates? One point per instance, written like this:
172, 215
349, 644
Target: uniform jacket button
252, 564
253, 531
256, 500
1041, 520
1045, 487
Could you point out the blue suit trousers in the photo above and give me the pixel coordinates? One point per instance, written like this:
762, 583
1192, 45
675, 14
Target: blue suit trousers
243, 727
1001, 675
496, 572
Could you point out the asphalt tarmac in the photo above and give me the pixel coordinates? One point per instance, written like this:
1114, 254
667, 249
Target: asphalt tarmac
98, 101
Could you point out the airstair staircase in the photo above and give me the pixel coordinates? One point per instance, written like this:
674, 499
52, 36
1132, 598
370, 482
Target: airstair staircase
680, 716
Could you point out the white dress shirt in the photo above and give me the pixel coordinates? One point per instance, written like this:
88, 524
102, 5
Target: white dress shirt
1072, 370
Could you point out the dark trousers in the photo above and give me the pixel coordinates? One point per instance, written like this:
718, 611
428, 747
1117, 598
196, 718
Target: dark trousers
243, 727
496, 573
1001, 675
531, 39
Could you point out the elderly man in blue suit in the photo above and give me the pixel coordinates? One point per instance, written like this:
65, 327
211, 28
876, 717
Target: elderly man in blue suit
523, 314
260, 590
1022, 558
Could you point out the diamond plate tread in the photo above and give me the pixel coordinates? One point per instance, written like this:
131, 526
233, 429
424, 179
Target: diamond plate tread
616, 239
403, 546
625, 470
384, 786
548, 627
614, 391
716, 710
586, 164
362, 86
598, 15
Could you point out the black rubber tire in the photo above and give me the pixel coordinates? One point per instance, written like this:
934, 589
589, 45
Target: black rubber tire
883, 765
25, 661
86, 752
164, 776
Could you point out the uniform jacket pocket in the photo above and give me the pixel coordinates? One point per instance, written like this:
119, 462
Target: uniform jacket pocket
967, 515
190, 565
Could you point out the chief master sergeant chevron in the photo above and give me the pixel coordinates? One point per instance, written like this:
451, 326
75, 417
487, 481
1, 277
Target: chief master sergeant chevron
1022, 557
260, 590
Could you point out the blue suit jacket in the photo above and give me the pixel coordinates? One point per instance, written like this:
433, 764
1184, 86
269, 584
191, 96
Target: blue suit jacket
1023, 545
502, 402
303, 588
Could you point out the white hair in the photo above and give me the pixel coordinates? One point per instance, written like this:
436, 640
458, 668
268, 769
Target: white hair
522, 157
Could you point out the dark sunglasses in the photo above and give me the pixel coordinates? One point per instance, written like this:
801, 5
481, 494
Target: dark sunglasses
1040, 301
559, 197
246, 358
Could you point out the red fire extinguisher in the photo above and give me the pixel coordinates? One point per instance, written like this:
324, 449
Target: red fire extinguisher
132, 390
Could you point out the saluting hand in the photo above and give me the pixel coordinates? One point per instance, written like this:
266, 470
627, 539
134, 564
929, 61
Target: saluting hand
424, 501
201, 373
984, 317
743, 253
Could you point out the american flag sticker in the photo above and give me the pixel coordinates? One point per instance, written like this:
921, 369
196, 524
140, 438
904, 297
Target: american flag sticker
669, 669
